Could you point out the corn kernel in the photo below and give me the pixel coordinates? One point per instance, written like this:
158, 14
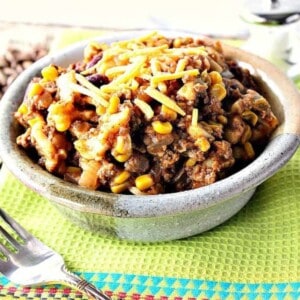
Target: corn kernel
237, 107
49, 73
261, 104
232, 136
100, 110
238, 152
62, 123
177, 42
117, 189
203, 144
168, 113
123, 144
35, 89
246, 134
162, 87
250, 116
215, 77
23, 109
144, 182
122, 177
34, 121
113, 104
61, 114
218, 91
222, 119
162, 127
249, 150
122, 157
190, 162
120, 145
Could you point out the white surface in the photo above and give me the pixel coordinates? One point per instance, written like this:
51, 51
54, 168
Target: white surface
217, 17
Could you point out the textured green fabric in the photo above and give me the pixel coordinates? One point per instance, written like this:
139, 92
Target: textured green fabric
260, 244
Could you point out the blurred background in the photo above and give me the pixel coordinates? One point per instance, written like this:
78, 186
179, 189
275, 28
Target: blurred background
269, 28
216, 17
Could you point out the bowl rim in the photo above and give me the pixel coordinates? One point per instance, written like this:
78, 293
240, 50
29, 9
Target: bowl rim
279, 150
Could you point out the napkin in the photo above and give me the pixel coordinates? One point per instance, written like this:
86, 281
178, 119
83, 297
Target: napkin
254, 255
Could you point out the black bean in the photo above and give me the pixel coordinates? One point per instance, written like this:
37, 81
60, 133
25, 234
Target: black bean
97, 79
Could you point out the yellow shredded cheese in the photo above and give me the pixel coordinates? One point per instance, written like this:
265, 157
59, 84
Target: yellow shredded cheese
113, 88
181, 64
96, 99
131, 72
84, 82
111, 53
170, 76
195, 117
149, 51
103, 66
164, 99
155, 66
115, 71
145, 108
134, 85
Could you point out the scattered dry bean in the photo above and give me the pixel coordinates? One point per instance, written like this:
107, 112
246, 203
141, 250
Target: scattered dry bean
15, 60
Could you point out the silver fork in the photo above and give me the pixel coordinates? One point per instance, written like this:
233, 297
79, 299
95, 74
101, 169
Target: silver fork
30, 262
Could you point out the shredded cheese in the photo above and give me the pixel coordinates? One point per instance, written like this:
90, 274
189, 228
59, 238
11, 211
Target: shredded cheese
113, 88
155, 66
145, 108
131, 72
96, 99
164, 99
84, 82
169, 76
181, 64
149, 51
115, 71
195, 117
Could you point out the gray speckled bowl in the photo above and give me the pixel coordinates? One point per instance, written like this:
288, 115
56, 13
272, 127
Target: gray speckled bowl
160, 217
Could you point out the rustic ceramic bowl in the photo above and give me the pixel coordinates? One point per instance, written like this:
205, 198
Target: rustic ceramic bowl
159, 217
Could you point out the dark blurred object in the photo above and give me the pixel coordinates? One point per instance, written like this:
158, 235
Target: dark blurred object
15, 59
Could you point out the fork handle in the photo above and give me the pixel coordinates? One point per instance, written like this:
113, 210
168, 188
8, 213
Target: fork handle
82, 285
